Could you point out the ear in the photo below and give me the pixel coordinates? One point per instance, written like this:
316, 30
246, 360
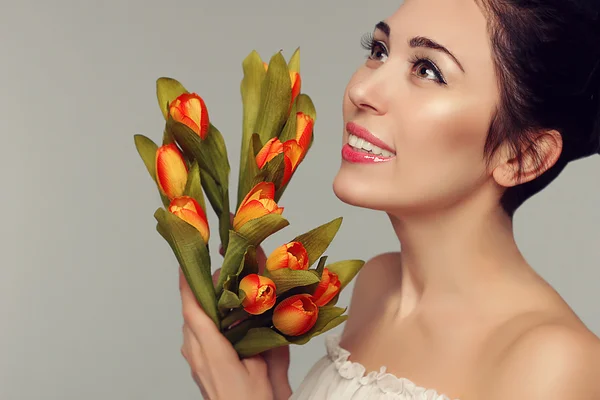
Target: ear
537, 159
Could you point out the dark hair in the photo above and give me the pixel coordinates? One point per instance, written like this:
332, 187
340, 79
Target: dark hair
547, 58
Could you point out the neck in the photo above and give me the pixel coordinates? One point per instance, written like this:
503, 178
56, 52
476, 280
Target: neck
454, 251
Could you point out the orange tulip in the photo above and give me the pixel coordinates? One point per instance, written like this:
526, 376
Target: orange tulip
189, 109
188, 209
257, 203
327, 289
171, 170
269, 151
304, 129
260, 294
292, 255
296, 84
295, 315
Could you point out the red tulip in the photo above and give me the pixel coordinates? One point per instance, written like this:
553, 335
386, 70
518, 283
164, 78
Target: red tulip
327, 289
190, 109
188, 209
171, 171
260, 294
292, 255
295, 315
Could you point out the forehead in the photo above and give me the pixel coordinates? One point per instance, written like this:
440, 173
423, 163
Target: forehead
459, 25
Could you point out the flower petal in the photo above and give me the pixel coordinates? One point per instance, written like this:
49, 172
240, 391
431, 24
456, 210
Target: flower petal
249, 211
269, 151
295, 315
171, 171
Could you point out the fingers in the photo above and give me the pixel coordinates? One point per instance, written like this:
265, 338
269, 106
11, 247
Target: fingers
215, 347
192, 352
256, 366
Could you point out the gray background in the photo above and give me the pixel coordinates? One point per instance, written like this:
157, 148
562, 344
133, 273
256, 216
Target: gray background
89, 299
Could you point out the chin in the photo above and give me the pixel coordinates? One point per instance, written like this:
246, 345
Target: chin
364, 193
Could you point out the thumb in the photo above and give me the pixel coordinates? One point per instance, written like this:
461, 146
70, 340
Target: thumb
278, 364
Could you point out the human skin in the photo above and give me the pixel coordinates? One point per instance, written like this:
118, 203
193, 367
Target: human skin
458, 309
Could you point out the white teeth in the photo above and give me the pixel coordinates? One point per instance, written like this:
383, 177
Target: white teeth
352, 140
360, 143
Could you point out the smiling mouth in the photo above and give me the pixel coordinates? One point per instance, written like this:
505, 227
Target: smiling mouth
361, 145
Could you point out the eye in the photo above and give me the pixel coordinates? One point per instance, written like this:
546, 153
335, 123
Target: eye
426, 69
377, 50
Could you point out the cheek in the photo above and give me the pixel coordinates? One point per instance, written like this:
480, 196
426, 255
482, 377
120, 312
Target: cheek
445, 130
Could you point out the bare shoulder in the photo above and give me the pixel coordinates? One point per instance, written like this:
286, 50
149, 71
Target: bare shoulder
379, 275
552, 360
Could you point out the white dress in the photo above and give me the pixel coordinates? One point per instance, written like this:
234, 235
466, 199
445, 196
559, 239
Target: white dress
334, 377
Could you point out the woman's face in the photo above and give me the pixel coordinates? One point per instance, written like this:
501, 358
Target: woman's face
427, 93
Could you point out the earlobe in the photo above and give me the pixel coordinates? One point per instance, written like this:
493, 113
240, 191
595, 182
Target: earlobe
543, 153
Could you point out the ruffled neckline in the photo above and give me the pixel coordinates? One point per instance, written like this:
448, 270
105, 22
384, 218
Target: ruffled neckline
388, 383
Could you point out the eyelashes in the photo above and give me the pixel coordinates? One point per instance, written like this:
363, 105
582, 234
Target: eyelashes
375, 47
367, 41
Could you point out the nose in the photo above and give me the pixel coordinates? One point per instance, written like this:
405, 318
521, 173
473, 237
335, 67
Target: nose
368, 93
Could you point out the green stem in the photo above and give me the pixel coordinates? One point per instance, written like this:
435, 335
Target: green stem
233, 316
224, 219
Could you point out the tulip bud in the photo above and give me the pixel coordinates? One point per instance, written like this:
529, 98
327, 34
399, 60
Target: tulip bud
260, 294
304, 129
188, 209
171, 171
292, 255
190, 109
296, 84
269, 151
327, 289
295, 315
257, 203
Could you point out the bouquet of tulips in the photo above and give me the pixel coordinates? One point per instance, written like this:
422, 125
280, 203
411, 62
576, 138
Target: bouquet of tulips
292, 297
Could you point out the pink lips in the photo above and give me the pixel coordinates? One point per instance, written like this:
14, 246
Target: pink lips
364, 133
355, 156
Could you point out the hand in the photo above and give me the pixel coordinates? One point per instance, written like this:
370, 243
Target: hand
216, 367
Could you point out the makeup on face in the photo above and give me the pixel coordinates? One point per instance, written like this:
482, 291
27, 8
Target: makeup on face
364, 147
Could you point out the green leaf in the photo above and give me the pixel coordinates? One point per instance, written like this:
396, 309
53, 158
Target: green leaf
258, 340
193, 187
251, 88
193, 257
210, 153
212, 190
276, 96
305, 104
228, 300
346, 270
257, 230
250, 262
289, 129
286, 279
317, 240
251, 173
233, 260
329, 318
167, 90
294, 64
147, 150
274, 170
321, 265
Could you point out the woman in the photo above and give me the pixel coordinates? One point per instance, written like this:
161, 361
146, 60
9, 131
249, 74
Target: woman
463, 110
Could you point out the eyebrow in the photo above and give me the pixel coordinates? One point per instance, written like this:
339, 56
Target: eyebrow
420, 41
